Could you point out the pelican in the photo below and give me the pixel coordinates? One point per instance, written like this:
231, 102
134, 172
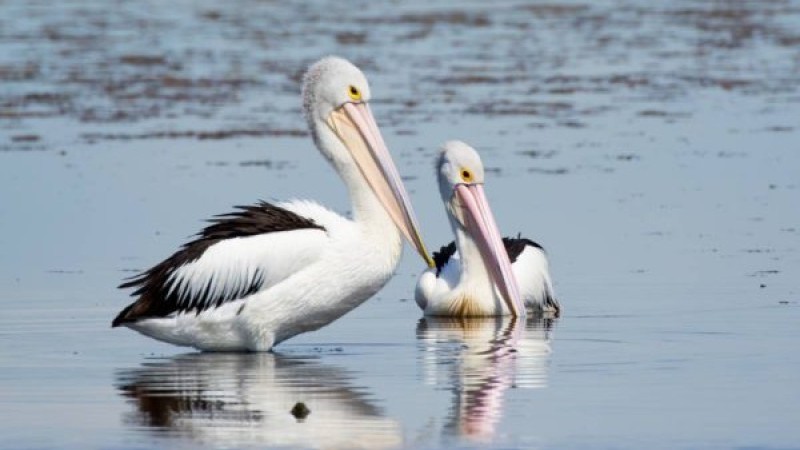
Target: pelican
480, 274
264, 273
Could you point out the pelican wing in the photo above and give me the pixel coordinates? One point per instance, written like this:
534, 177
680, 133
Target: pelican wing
515, 246
239, 254
536, 262
442, 257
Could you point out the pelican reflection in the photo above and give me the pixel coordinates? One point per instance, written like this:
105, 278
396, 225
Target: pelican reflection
479, 358
248, 399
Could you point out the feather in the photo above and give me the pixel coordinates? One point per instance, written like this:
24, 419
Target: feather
181, 283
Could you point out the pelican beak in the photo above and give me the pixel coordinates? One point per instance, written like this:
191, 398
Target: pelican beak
480, 224
356, 127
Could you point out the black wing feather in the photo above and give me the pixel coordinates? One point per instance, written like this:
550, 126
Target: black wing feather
514, 248
157, 295
444, 254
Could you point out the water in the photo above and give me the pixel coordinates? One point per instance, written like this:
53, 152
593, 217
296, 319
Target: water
652, 147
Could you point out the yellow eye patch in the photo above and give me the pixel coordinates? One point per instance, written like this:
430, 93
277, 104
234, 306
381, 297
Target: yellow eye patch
466, 176
354, 93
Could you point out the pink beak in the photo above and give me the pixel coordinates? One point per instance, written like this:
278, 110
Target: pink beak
355, 125
481, 225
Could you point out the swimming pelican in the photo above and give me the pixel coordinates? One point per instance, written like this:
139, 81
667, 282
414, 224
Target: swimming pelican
265, 273
480, 274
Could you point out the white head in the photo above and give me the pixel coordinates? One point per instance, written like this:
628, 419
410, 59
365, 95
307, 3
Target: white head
330, 83
461, 176
335, 96
458, 164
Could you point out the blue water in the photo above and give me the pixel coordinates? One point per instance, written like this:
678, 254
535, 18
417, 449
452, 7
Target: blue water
651, 147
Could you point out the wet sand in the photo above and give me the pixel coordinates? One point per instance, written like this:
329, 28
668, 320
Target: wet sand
651, 147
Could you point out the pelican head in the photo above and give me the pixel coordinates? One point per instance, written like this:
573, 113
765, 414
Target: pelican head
461, 176
335, 101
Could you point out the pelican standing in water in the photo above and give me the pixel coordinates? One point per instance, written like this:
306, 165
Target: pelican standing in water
262, 274
480, 274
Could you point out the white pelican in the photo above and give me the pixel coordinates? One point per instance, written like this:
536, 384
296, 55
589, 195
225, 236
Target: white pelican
480, 274
265, 273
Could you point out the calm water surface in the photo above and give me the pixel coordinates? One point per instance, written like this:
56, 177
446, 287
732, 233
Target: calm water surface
652, 147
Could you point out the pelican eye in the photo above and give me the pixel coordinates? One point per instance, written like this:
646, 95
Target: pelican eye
354, 93
466, 176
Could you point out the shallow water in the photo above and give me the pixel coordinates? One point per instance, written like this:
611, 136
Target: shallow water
652, 147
